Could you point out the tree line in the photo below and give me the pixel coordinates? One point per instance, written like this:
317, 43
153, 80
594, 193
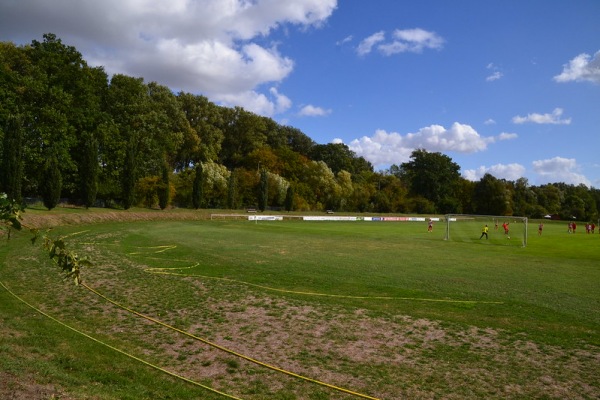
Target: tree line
68, 131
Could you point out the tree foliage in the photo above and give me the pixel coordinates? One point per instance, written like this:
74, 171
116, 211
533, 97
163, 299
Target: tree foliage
164, 188
289, 199
197, 192
10, 214
66, 259
490, 196
60, 118
232, 191
433, 176
12, 162
51, 185
88, 168
128, 177
263, 190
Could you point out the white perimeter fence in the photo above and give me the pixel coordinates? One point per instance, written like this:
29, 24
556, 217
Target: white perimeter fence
255, 217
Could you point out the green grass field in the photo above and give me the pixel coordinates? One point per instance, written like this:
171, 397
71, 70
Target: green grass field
380, 309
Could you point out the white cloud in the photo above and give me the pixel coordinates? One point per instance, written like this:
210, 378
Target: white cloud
495, 73
507, 136
258, 103
552, 118
213, 47
553, 170
403, 41
312, 111
494, 76
385, 148
474, 175
252, 101
559, 169
490, 121
282, 102
581, 68
366, 45
345, 40
509, 172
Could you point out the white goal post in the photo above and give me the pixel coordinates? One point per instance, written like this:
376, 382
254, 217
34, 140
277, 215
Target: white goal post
501, 229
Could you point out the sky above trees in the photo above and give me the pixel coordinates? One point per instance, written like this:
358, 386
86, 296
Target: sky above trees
509, 88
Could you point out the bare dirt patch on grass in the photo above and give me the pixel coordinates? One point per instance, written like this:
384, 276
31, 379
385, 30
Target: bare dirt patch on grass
25, 387
363, 352
390, 357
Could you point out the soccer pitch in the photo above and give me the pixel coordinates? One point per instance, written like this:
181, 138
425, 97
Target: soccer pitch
378, 309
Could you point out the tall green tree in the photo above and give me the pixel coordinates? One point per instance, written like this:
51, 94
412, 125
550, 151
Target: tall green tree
574, 207
491, 196
216, 177
550, 197
394, 193
12, 162
165, 129
338, 157
129, 177
322, 189
465, 196
595, 197
16, 79
289, 198
48, 103
292, 165
88, 170
51, 185
524, 199
362, 195
297, 141
197, 188
148, 123
90, 122
128, 137
578, 203
276, 135
263, 190
164, 188
244, 132
433, 176
232, 191
247, 182
204, 142
591, 207
16, 75
59, 107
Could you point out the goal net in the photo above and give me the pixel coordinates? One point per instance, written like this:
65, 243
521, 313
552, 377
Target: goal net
501, 230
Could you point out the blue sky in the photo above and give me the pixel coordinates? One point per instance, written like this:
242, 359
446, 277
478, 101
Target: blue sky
509, 87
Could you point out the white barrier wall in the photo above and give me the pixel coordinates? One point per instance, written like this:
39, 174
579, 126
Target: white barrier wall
329, 218
265, 218
259, 217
